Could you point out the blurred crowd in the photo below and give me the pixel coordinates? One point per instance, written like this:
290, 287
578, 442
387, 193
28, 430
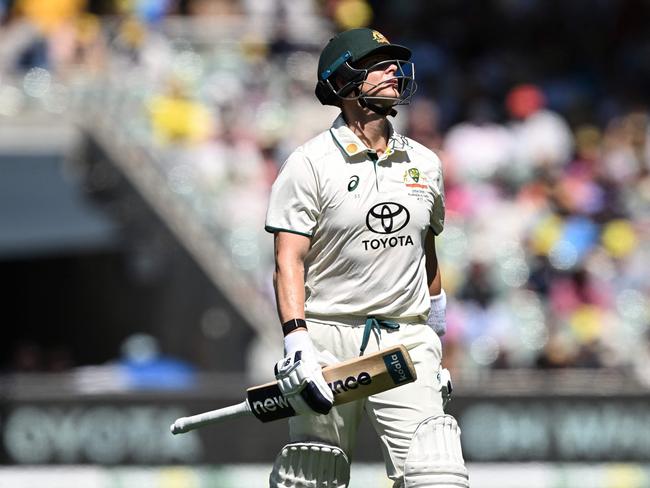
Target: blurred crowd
546, 150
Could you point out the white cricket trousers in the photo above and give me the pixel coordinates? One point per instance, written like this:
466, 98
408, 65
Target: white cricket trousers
394, 414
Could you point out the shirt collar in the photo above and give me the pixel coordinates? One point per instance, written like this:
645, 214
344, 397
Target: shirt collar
351, 145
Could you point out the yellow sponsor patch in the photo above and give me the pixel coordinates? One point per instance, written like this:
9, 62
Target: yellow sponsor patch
351, 148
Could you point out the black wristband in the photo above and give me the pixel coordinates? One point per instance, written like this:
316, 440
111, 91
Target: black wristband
293, 324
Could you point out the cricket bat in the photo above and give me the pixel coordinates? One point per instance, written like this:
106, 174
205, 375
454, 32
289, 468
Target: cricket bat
349, 380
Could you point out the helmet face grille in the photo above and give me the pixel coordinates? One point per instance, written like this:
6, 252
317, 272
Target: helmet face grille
353, 80
406, 85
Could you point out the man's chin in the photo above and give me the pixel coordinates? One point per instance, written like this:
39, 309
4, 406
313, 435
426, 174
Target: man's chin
383, 100
386, 93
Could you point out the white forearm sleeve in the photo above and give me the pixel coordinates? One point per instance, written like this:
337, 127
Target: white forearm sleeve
436, 319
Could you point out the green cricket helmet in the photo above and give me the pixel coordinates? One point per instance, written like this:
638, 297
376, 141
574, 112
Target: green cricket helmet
340, 76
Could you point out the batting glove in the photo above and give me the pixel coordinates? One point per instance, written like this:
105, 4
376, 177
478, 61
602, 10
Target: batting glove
436, 319
300, 377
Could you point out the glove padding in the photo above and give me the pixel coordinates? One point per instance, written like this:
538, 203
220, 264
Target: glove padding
301, 382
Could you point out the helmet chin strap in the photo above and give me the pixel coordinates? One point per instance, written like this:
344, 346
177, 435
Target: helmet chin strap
375, 107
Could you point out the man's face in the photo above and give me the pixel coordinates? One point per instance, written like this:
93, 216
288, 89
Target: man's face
381, 81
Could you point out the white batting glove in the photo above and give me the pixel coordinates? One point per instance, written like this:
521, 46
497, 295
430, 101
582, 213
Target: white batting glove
436, 319
300, 377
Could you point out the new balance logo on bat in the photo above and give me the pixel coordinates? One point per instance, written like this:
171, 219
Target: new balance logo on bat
270, 404
350, 383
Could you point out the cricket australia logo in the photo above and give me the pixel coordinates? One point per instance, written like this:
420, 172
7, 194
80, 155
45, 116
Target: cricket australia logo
414, 179
387, 218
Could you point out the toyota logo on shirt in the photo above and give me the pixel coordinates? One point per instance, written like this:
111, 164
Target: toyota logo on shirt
387, 218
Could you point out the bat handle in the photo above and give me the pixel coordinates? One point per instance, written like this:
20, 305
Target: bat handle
185, 424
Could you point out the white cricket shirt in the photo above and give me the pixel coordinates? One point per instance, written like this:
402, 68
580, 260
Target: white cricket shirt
367, 219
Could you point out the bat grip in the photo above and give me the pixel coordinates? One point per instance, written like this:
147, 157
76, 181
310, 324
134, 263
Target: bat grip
185, 424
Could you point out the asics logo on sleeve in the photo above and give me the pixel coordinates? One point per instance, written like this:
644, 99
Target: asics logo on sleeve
354, 182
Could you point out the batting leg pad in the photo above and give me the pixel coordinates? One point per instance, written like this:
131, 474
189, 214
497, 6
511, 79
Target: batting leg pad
310, 465
435, 458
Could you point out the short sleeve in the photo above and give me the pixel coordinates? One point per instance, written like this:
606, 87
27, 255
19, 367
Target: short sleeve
437, 222
294, 203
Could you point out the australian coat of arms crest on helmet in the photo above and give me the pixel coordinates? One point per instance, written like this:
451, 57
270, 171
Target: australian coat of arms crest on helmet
379, 37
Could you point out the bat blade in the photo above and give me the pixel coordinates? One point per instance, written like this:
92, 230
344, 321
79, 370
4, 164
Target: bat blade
349, 381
